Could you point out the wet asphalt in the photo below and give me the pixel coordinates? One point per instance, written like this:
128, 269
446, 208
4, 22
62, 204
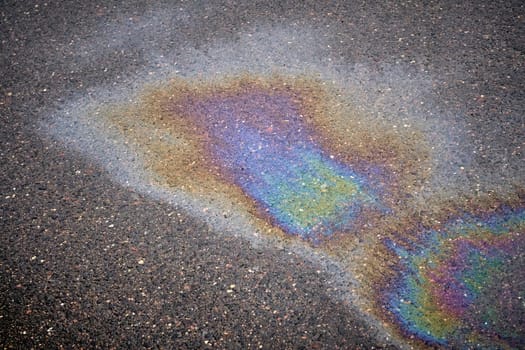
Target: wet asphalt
87, 263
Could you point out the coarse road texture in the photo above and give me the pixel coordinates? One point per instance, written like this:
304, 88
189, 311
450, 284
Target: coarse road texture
86, 262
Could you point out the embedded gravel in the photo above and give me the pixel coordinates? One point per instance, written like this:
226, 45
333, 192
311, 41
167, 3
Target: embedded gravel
88, 263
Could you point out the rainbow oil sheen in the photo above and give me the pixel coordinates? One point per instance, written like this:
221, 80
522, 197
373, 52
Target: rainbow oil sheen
462, 285
258, 140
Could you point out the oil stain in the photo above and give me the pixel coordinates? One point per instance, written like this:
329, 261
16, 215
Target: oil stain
296, 156
289, 150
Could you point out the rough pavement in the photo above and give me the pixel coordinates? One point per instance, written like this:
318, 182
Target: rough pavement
88, 263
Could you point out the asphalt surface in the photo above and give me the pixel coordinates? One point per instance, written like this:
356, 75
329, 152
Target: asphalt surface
88, 263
